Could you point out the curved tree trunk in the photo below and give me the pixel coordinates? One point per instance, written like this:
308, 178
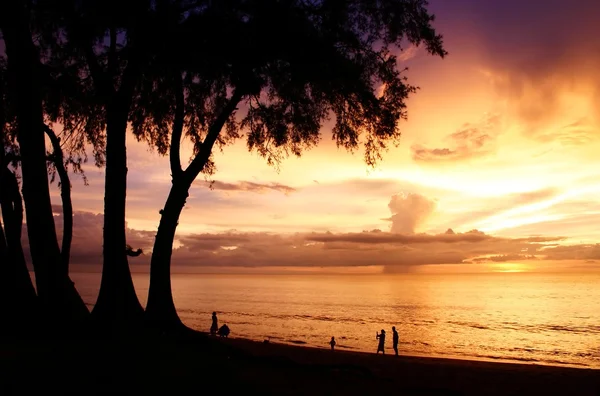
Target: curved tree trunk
58, 297
117, 303
160, 309
65, 195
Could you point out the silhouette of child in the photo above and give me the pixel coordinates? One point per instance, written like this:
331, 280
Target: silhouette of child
215, 326
380, 347
332, 343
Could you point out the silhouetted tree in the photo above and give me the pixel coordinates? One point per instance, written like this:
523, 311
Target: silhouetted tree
104, 50
56, 292
17, 294
289, 66
107, 53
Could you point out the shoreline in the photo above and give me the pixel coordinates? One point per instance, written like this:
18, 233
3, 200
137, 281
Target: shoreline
260, 348
390, 352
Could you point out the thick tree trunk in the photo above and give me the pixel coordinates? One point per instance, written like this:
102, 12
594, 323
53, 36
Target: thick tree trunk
117, 303
57, 294
160, 310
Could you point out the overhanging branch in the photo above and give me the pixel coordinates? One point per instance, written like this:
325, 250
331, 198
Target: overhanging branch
211, 137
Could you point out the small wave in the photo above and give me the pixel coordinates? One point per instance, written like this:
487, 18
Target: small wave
532, 360
516, 358
526, 349
325, 318
592, 329
470, 324
298, 342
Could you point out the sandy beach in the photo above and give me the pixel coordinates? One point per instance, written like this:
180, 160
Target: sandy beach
202, 364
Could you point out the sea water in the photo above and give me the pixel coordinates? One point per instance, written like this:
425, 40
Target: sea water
516, 317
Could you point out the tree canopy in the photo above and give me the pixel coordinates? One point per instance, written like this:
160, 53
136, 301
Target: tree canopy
291, 65
272, 71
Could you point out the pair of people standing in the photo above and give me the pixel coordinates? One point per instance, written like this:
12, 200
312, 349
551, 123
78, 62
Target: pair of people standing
381, 337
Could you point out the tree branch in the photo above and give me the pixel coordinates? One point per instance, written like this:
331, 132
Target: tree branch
132, 253
65, 194
174, 154
209, 141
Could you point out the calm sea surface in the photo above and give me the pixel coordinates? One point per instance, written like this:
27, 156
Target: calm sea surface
537, 318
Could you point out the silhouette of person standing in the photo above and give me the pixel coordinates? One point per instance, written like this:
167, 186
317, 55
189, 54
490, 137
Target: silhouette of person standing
395, 340
380, 347
215, 324
332, 343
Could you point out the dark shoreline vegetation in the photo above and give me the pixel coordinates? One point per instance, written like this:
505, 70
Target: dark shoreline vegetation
201, 364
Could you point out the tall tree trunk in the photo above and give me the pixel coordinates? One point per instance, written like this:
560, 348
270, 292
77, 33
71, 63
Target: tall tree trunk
58, 297
160, 309
117, 303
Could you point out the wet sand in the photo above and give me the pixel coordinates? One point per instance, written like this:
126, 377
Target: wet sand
202, 365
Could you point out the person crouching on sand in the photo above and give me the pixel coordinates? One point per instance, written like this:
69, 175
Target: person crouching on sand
380, 347
332, 343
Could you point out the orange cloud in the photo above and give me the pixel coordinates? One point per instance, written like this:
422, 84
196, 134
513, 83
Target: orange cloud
471, 140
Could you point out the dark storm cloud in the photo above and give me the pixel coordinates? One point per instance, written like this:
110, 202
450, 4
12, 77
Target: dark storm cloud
396, 252
370, 237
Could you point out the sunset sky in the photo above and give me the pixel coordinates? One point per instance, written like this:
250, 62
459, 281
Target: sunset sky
502, 138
